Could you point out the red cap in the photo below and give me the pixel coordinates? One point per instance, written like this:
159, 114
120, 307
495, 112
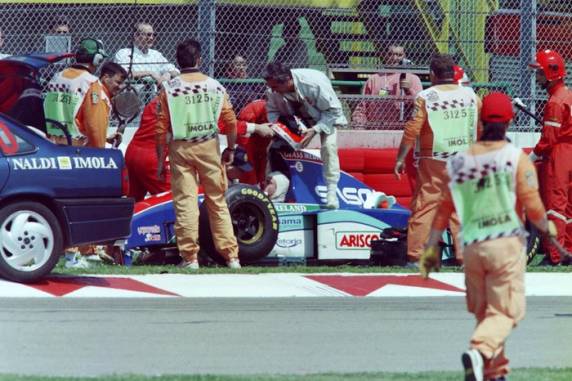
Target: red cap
497, 108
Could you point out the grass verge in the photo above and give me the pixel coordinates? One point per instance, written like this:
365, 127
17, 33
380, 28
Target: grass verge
544, 374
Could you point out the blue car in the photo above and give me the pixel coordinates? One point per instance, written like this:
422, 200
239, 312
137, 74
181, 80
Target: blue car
51, 196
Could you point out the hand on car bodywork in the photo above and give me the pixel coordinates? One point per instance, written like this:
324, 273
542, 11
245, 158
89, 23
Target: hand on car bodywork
308, 136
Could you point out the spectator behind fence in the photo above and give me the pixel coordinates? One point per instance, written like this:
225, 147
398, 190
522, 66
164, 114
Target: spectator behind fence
2, 55
240, 92
374, 113
148, 64
60, 25
294, 52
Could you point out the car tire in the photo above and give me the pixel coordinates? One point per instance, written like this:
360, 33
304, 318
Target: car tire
532, 242
254, 220
31, 241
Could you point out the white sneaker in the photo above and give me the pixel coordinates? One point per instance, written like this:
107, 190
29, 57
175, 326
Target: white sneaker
193, 265
234, 264
474, 365
76, 261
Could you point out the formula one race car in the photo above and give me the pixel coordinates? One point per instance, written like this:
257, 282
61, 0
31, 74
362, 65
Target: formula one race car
299, 229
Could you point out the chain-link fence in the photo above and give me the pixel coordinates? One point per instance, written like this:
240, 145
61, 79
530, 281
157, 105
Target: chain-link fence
492, 40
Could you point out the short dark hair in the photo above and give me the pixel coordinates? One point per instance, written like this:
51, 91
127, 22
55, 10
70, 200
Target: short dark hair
111, 69
278, 72
442, 66
494, 131
188, 53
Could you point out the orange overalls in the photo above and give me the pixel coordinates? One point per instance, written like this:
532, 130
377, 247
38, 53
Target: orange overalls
494, 268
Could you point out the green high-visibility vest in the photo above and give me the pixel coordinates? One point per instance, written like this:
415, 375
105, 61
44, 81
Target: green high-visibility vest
484, 193
63, 100
452, 117
194, 108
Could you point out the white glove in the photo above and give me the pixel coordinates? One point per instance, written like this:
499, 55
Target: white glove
533, 157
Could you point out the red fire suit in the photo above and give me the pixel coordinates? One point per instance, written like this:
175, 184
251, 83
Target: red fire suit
555, 147
256, 146
141, 158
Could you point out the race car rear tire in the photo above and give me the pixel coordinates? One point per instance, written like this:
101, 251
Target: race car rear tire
254, 220
532, 242
31, 241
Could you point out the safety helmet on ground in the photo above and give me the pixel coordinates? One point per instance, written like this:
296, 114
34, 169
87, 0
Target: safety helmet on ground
551, 63
497, 108
90, 50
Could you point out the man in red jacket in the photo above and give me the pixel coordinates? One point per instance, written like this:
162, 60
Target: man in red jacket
555, 147
141, 159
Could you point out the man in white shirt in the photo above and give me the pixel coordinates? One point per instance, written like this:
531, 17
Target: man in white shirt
2, 55
148, 64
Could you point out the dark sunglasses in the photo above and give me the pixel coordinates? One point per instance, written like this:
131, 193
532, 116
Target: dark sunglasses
150, 34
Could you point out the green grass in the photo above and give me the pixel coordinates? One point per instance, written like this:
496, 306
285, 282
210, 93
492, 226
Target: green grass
537, 374
104, 269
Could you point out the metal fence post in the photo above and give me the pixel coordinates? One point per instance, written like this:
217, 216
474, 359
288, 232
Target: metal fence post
527, 54
207, 25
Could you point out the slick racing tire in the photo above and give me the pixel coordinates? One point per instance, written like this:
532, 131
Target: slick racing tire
532, 242
30, 241
254, 220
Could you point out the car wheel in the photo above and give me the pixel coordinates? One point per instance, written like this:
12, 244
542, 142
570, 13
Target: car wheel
30, 241
532, 242
254, 220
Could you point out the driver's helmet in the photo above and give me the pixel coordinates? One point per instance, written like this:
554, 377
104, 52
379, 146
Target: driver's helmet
241, 160
289, 129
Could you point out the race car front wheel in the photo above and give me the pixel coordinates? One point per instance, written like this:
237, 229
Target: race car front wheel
30, 241
254, 220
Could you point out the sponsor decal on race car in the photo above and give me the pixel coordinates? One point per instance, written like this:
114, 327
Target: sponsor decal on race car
292, 222
153, 229
283, 208
287, 243
63, 162
350, 195
355, 240
260, 196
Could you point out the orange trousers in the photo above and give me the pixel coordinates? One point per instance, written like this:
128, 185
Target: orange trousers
191, 164
431, 183
494, 277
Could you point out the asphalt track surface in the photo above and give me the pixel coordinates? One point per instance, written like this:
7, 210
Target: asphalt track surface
87, 337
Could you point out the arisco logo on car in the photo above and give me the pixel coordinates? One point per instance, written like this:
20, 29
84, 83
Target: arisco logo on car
63, 163
355, 240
